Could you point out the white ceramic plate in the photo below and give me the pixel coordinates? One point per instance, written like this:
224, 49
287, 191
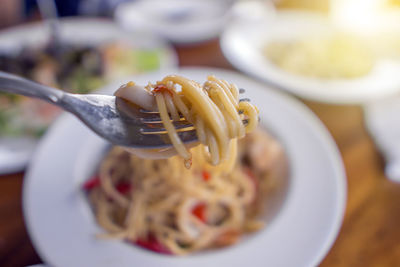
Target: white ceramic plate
62, 227
15, 153
242, 44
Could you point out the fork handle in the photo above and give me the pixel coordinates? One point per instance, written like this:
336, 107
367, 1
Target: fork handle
14, 84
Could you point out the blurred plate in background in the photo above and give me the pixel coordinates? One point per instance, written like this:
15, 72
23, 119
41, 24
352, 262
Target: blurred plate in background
180, 21
243, 43
95, 52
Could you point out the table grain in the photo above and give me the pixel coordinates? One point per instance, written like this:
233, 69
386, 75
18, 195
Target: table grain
369, 236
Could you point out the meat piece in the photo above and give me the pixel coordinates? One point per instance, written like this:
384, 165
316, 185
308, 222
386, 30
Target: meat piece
263, 151
137, 95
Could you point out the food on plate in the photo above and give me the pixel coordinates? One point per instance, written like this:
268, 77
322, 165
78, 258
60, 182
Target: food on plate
336, 56
73, 68
162, 206
214, 109
386, 45
174, 208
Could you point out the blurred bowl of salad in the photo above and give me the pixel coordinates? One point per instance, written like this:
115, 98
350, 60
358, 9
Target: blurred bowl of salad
93, 52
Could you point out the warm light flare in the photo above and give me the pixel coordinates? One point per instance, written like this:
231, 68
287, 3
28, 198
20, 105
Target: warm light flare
361, 16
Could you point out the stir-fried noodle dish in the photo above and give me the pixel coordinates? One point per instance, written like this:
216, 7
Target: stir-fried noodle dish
204, 197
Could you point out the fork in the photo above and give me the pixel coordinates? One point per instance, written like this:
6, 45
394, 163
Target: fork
111, 117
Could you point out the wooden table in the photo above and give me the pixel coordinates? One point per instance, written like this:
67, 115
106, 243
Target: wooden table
370, 235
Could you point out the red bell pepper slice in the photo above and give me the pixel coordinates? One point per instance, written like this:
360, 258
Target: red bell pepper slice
123, 187
206, 175
93, 182
151, 243
200, 212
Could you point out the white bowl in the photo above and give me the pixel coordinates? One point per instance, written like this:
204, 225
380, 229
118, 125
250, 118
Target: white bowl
62, 226
242, 43
180, 21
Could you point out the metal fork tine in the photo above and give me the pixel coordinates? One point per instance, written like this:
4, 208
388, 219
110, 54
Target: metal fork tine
181, 128
178, 127
157, 119
145, 111
159, 126
154, 125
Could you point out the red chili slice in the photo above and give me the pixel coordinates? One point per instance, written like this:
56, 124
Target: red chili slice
151, 243
93, 182
206, 175
162, 88
200, 212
